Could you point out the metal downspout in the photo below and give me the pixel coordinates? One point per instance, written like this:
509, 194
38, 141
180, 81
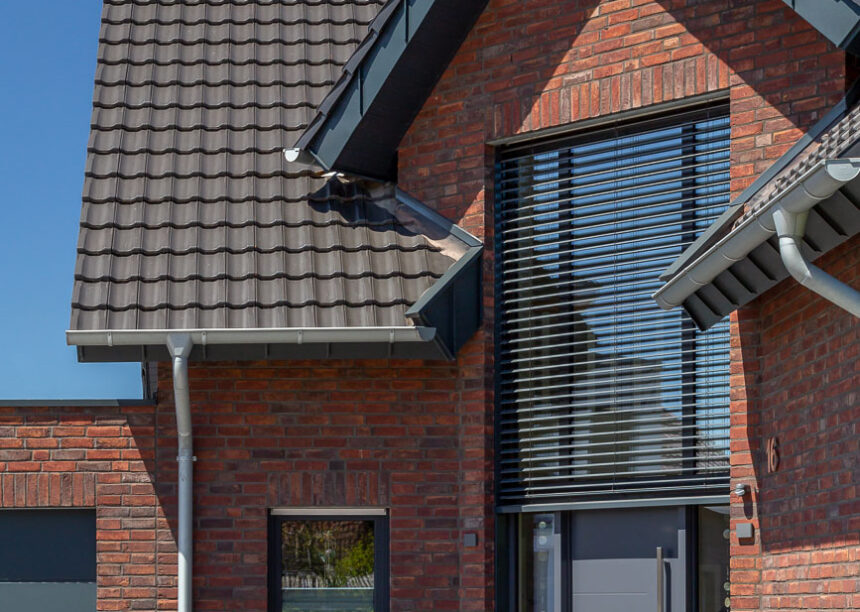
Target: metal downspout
180, 346
790, 227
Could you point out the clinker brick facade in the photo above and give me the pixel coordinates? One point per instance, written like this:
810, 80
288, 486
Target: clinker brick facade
796, 374
417, 437
794, 357
410, 436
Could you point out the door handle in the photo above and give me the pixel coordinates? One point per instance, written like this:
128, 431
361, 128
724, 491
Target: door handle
660, 579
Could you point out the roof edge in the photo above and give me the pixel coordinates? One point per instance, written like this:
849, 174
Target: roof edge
244, 336
731, 214
261, 344
362, 119
818, 183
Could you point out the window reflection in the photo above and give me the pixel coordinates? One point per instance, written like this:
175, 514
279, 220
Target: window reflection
327, 566
601, 390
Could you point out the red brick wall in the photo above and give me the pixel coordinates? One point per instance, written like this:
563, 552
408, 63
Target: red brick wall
557, 62
102, 457
407, 435
803, 374
411, 436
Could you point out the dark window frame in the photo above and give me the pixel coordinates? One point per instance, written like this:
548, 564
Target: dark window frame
381, 552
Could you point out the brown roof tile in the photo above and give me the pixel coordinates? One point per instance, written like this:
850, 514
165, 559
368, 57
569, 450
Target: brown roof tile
192, 218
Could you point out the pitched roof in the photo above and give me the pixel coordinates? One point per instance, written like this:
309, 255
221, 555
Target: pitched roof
710, 282
191, 216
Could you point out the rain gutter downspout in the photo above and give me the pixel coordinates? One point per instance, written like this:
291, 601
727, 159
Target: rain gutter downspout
819, 183
790, 227
180, 345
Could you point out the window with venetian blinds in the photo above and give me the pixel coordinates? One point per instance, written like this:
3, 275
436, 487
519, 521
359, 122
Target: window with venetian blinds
601, 394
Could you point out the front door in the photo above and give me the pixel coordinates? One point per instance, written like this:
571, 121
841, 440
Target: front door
663, 559
629, 560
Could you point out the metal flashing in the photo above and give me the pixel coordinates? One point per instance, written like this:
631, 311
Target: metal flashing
360, 123
268, 352
433, 216
453, 306
837, 20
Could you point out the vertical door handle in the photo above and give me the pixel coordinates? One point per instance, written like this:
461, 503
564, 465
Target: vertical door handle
660, 579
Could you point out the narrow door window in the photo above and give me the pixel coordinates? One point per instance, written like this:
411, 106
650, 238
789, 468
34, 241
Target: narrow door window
539, 563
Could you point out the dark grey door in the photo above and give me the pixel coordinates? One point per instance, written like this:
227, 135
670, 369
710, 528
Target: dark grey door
615, 565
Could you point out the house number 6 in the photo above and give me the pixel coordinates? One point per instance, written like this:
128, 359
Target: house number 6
772, 454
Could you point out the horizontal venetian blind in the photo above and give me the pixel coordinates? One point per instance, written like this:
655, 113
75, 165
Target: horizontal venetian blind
601, 394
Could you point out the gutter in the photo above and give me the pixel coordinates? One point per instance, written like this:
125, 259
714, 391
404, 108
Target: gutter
819, 183
286, 335
727, 219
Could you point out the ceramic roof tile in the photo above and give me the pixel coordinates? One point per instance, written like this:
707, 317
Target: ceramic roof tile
191, 217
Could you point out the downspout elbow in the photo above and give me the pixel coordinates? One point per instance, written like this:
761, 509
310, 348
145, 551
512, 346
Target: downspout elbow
794, 262
790, 229
180, 346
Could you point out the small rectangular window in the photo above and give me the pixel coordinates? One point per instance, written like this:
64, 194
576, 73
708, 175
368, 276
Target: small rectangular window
328, 562
48, 560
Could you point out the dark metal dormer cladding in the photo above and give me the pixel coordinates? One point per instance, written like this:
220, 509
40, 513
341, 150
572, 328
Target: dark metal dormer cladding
193, 220
837, 20
385, 83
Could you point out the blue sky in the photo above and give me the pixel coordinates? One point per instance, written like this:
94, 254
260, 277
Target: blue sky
47, 61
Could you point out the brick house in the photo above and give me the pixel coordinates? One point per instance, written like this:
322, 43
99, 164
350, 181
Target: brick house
472, 306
